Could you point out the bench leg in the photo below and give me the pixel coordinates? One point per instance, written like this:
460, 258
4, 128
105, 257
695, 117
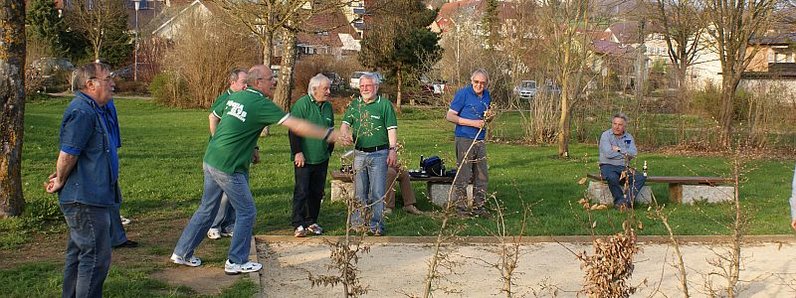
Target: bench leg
675, 193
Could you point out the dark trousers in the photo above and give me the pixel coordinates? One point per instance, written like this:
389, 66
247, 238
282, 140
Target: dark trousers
308, 193
613, 175
472, 168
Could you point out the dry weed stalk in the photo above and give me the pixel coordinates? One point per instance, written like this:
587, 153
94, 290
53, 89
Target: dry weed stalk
344, 258
440, 257
728, 263
658, 212
509, 248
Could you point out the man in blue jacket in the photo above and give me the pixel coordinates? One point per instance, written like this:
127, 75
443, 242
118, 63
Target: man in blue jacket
86, 181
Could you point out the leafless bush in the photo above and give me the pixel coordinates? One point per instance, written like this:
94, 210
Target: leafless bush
203, 54
610, 267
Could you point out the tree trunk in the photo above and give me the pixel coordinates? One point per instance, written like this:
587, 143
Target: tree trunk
12, 97
398, 92
563, 124
285, 85
267, 42
728, 86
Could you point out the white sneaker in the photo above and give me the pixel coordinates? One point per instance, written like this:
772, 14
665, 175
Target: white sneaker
300, 232
315, 229
192, 262
232, 268
125, 221
214, 234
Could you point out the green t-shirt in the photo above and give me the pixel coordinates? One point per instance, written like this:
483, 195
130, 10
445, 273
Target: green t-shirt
244, 116
221, 101
315, 151
370, 121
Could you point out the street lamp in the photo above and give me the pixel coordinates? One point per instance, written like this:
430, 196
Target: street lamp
135, 54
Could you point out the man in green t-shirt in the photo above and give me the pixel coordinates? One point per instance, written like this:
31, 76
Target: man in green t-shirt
371, 121
224, 222
226, 168
310, 156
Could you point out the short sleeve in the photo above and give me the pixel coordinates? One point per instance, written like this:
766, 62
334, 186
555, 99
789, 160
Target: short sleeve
269, 113
390, 121
458, 102
76, 130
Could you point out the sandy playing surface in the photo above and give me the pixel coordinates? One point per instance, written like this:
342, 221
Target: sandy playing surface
545, 269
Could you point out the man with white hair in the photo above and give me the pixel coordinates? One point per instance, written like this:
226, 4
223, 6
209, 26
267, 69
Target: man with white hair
370, 121
310, 156
468, 111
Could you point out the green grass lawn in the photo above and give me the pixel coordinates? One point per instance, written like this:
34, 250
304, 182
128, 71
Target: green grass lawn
161, 177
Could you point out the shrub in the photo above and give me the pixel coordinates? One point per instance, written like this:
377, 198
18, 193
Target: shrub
167, 88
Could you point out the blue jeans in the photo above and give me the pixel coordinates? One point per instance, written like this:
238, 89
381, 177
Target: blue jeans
88, 252
370, 181
236, 187
225, 217
118, 236
612, 174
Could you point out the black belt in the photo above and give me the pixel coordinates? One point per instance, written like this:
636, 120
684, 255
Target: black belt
373, 149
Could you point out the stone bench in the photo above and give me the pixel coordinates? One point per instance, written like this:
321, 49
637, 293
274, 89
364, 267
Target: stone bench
685, 190
436, 187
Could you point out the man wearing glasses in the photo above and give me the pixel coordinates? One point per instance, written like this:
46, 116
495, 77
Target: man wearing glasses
224, 222
226, 168
85, 179
370, 121
469, 111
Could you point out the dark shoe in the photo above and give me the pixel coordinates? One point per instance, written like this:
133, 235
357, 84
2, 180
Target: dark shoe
411, 209
463, 213
481, 212
376, 233
128, 243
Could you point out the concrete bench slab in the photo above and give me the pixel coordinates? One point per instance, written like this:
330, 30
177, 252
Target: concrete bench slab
598, 192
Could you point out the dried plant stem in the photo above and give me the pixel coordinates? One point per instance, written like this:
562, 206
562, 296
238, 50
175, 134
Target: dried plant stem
433, 264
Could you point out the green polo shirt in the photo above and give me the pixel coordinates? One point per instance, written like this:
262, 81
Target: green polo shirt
244, 116
370, 121
221, 101
315, 150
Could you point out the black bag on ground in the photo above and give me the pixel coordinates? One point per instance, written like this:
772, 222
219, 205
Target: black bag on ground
434, 166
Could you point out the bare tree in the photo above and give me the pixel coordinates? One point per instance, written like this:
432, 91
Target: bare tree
564, 24
99, 21
731, 25
682, 28
265, 19
12, 76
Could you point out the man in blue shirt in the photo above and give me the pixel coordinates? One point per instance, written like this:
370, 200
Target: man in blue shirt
617, 148
86, 180
469, 111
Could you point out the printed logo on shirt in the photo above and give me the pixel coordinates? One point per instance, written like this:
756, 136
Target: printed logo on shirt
377, 117
236, 110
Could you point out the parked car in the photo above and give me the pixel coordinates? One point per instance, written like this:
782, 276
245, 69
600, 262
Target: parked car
354, 81
337, 81
526, 89
435, 87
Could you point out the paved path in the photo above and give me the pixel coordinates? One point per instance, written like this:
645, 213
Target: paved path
397, 266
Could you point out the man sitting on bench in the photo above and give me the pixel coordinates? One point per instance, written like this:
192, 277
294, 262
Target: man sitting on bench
617, 148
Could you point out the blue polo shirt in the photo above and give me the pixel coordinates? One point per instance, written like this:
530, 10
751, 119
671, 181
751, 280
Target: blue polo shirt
91, 133
469, 105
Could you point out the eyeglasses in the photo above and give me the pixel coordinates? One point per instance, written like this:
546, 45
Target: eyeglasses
482, 83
